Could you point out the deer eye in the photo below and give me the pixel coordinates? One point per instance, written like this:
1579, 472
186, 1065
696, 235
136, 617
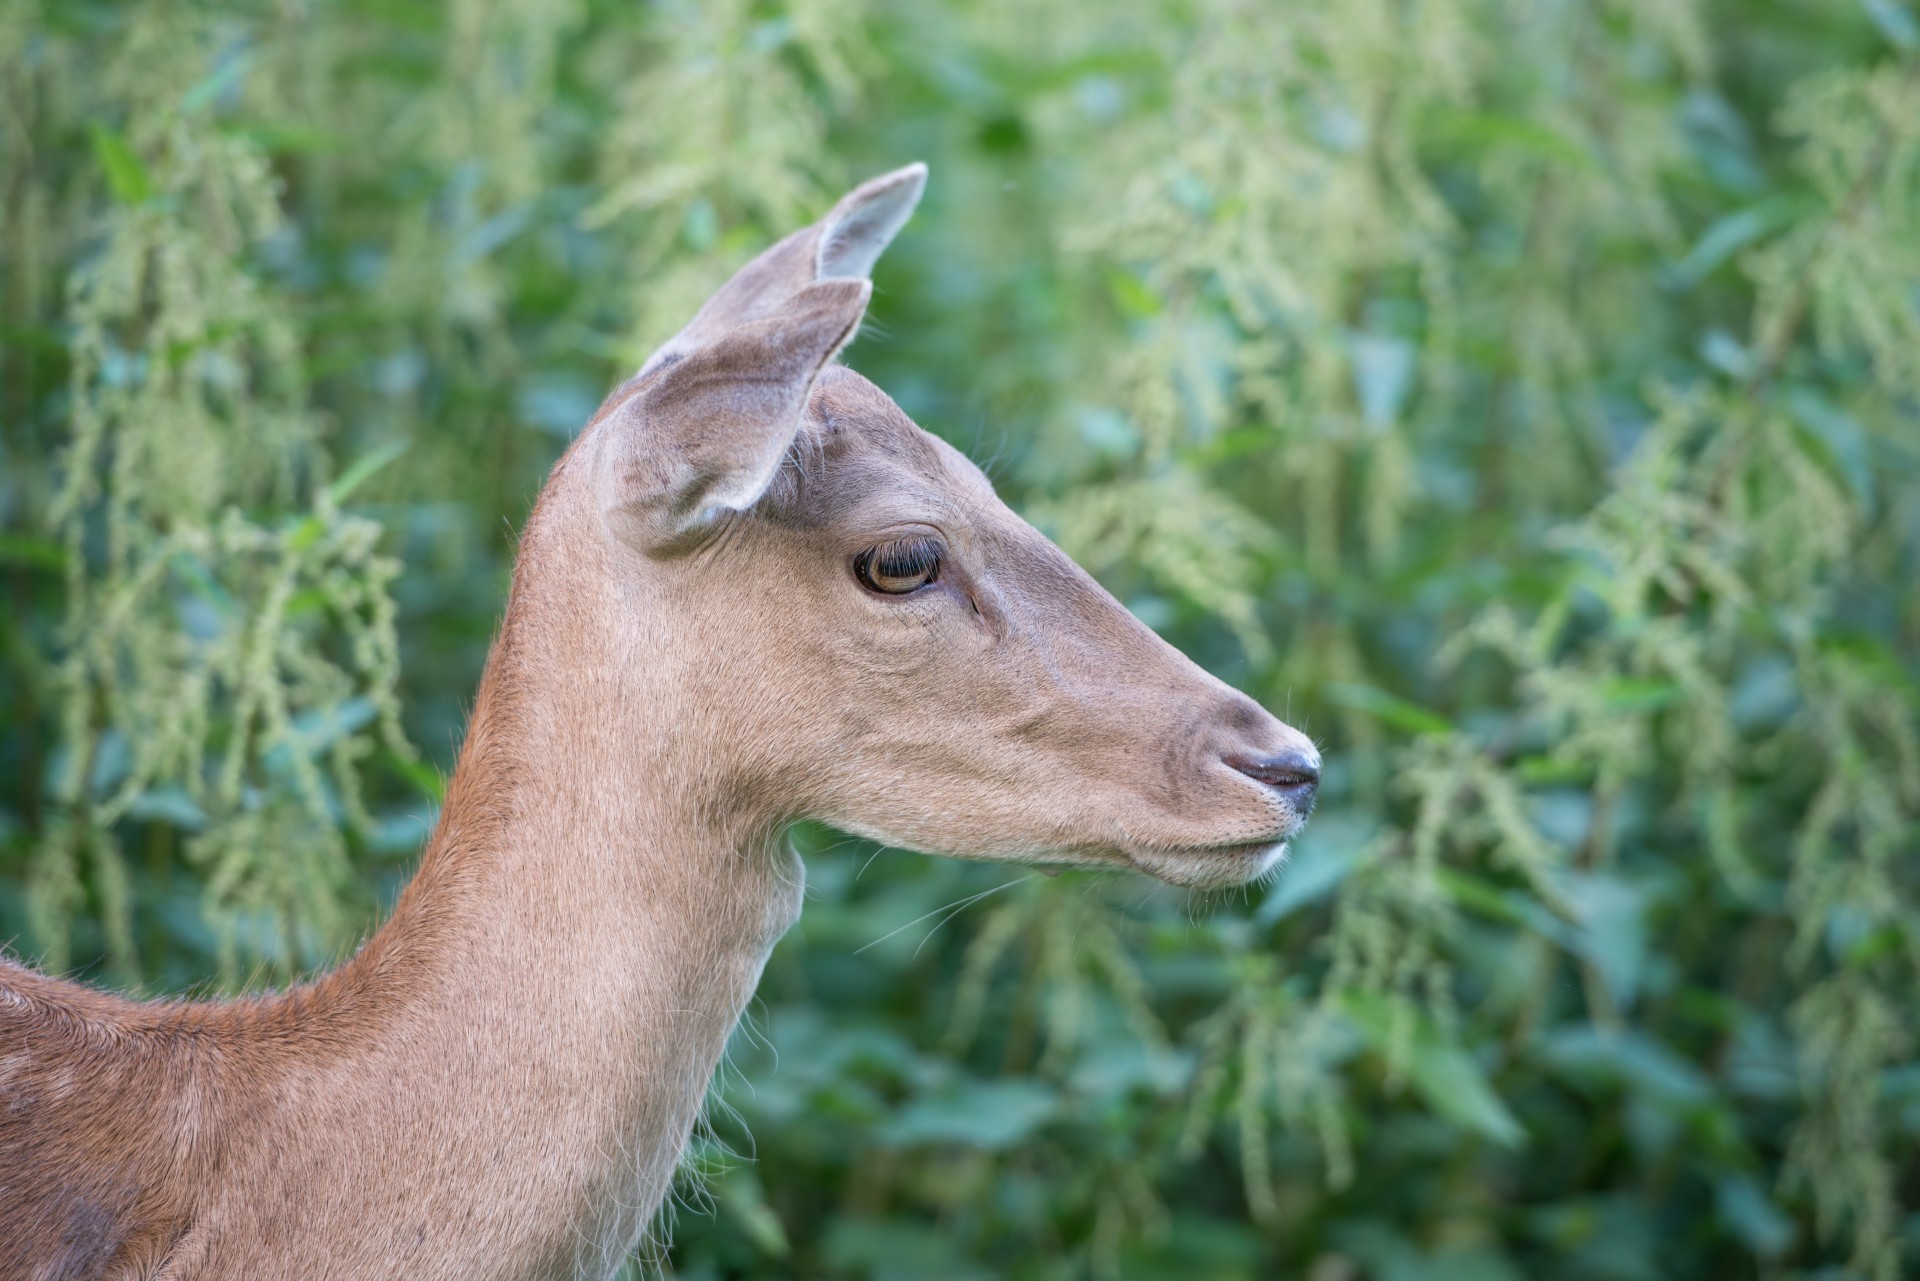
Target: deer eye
895, 569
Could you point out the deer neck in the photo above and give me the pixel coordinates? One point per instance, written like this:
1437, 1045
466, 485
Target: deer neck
589, 920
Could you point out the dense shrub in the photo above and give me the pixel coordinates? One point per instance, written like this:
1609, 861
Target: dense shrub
1521, 396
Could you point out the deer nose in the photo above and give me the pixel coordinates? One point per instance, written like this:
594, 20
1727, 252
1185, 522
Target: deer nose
1293, 774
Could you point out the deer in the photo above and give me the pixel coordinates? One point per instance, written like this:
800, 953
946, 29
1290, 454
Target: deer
752, 591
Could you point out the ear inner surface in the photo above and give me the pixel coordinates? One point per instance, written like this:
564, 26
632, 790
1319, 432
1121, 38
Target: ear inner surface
866, 220
843, 245
708, 434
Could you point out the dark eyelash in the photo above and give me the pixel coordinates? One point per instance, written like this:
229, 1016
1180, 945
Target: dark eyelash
908, 558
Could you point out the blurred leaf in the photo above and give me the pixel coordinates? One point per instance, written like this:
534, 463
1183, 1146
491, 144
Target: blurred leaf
1836, 439
1484, 897
1626, 1059
1318, 860
1444, 1075
316, 729
560, 404
987, 1114
1386, 707
1476, 131
1107, 431
742, 1199
126, 176
224, 81
168, 805
364, 467
889, 1251
418, 772
1896, 23
1633, 694
1611, 936
31, 551
1132, 295
1382, 376
1733, 233
1752, 1217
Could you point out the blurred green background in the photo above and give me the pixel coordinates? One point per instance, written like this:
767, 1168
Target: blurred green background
1521, 397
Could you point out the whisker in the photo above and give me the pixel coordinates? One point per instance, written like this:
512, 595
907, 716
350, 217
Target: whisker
869, 863
954, 907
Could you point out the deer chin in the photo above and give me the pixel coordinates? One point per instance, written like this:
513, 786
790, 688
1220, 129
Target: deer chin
1211, 867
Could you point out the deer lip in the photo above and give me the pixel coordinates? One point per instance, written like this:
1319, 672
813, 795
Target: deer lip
1186, 865
1220, 866
1243, 847
1232, 849
1135, 853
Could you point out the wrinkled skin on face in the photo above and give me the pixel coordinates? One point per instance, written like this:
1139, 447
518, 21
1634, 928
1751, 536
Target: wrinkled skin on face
887, 647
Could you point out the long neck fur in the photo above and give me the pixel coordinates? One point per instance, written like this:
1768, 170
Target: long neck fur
521, 1050
584, 931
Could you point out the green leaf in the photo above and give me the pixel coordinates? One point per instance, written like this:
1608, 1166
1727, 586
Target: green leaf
1549, 771
1836, 440
1632, 694
1862, 952
1447, 1078
308, 600
1753, 1217
400, 834
1481, 896
1477, 132
169, 805
893, 1250
225, 77
1383, 368
1108, 431
363, 468
288, 139
1611, 912
1733, 233
1132, 295
32, 552
316, 729
1317, 862
1452, 1084
1627, 1060
987, 1114
126, 176
745, 1202
1237, 443
199, 578
305, 534
1395, 711
1896, 23
418, 772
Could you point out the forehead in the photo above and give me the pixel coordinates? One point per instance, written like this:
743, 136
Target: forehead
859, 454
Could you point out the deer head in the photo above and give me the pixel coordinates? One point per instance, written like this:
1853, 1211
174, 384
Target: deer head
864, 634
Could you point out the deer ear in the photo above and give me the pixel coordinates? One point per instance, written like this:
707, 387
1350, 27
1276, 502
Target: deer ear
843, 245
708, 434
865, 221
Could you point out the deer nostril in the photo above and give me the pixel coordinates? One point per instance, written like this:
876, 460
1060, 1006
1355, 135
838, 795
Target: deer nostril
1294, 775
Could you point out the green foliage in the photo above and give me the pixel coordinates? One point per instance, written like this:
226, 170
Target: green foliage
1522, 397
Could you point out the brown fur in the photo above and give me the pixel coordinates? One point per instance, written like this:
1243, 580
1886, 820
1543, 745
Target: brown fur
499, 1084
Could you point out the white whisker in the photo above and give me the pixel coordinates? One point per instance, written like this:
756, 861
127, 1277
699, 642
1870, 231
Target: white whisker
954, 907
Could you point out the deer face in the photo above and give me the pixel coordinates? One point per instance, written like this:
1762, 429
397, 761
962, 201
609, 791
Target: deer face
867, 635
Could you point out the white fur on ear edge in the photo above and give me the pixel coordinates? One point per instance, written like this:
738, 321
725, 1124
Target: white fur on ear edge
866, 220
